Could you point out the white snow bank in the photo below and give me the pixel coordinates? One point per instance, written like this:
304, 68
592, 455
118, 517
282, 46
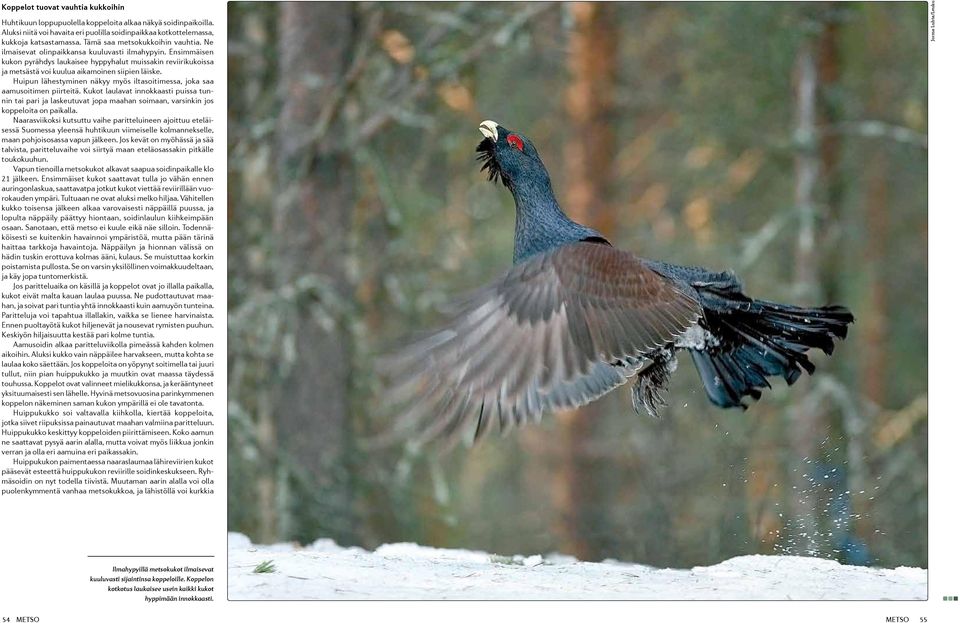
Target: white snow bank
325, 570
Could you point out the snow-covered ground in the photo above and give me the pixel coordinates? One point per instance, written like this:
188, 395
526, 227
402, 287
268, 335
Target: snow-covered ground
324, 570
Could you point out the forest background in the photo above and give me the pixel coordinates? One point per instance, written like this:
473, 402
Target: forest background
784, 141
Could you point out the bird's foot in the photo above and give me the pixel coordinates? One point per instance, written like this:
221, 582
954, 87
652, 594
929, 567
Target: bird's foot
651, 382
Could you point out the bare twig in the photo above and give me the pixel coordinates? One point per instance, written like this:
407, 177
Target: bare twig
334, 103
447, 23
441, 20
495, 38
877, 129
756, 243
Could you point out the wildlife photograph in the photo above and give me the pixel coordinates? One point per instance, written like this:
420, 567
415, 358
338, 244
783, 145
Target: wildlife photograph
577, 300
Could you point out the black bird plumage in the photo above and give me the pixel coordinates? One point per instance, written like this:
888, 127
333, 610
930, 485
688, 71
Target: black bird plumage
575, 318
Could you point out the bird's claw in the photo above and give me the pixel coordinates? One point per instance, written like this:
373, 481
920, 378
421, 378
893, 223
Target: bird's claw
651, 383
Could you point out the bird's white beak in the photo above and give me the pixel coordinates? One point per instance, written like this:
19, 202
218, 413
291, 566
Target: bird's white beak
489, 129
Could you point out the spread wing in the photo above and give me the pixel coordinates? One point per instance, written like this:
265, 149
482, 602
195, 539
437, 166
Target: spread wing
556, 331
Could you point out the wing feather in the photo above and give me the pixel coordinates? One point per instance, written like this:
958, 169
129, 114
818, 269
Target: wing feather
555, 332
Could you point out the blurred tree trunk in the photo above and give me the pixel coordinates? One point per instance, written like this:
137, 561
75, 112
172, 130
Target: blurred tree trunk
817, 254
874, 354
589, 156
806, 422
806, 168
251, 42
828, 114
311, 225
591, 143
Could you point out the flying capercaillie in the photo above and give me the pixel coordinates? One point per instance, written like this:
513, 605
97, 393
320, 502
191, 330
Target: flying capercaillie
575, 317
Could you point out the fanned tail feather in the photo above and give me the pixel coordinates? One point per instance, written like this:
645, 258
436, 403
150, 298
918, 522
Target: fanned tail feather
760, 339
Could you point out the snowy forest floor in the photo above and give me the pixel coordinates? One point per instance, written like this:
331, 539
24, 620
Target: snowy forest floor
324, 570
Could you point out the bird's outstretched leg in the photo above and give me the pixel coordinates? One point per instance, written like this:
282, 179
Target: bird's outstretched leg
652, 381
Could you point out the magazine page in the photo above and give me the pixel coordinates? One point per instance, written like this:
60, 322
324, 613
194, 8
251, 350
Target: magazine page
328, 308
113, 307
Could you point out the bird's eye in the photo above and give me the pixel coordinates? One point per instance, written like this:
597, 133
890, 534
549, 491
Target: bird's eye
516, 141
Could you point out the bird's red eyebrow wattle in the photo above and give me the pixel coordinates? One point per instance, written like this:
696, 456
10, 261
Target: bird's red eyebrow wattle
516, 141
